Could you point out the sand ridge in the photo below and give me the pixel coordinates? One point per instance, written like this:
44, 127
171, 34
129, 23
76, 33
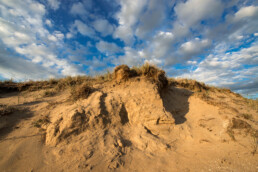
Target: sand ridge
127, 126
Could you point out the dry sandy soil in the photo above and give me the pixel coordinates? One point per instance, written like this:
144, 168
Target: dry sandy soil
128, 126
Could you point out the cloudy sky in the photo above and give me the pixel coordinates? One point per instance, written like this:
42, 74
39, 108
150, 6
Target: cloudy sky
213, 41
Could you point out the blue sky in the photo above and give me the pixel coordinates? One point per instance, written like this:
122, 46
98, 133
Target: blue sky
212, 41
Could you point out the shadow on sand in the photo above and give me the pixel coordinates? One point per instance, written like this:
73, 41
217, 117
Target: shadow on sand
175, 101
9, 122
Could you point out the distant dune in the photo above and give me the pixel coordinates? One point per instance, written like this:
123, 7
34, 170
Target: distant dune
134, 119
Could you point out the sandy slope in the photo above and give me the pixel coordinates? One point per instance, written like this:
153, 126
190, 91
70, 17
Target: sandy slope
129, 126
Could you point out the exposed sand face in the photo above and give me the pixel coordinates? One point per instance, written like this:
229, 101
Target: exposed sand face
129, 126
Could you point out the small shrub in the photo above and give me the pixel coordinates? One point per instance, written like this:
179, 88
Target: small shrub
81, 91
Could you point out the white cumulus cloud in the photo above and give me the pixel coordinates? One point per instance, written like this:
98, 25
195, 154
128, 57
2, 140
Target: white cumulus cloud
103, 26
78, 8
108, 48
83, 28
54, 4
127, 18
246, 12
194, 47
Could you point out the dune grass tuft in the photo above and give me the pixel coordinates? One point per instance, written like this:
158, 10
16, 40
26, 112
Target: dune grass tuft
42, 121
81, 91
6, 110
151, 72
122, 72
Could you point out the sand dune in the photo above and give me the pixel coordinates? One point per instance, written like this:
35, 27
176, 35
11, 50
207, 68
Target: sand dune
128, 125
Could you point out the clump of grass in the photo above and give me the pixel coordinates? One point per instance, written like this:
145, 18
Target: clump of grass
6, 110
58, 84
123, 72
105, 77
69, 82
239, 124
8, 86
52, 104
81, 91
254, 135
49, 93
242, 125
231, 134
135, 71
247, 116
190, 84
252, 103
33, 85
196, 86
42, 121
65, 83
155, 74
53, 81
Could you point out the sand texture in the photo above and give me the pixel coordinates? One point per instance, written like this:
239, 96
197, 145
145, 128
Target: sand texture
128, 126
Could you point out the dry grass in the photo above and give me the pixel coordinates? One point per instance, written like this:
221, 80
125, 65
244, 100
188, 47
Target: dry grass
6, 110
239, 124
231, 134
42, 121
213, 95
81, 91
104, 77
252, 103
49, 93
57, 84
196, 86
69, 82
122, 73
254, 146
154, 73
151, 72
34, 85
8, 86
247, 128
247, 116
190, 84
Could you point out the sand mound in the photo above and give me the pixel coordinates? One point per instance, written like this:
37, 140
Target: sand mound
137, 105
130, 123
